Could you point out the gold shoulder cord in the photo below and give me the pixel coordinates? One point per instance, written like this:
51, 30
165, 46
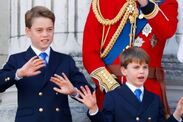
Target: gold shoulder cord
128, 11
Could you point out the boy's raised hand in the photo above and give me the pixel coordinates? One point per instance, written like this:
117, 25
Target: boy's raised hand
65, 86
179, 109
31, 68
88, 98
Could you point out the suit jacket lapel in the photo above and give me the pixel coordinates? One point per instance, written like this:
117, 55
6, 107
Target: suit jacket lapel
127, 94
146, 102
29, 54
37, 80
43, 78
53, 63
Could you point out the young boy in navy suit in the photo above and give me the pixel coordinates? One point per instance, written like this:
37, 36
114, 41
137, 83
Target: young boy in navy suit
130, 102
33, 70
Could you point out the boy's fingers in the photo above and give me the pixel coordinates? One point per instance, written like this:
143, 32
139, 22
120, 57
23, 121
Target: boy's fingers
180, 101
36, 73
38, 67
56, 78
79, 99
87, 89
65, 76
80, 93
59, 77
56, 81
33, 58
38, 62
83, 90
57, 90
94, 94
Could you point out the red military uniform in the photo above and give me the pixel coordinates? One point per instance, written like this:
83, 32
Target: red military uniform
152, 38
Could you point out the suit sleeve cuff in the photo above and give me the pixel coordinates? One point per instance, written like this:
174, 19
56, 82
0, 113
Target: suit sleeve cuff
75, 95
93, 113
178, 120
16, 77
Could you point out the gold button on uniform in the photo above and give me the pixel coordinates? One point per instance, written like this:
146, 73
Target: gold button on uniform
57, 109
40, 109
40, 93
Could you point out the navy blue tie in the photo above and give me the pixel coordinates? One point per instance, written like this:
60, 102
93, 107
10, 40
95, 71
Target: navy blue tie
137, 93
43, 56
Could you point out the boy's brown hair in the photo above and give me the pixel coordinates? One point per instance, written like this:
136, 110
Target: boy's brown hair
38, 11
133, 54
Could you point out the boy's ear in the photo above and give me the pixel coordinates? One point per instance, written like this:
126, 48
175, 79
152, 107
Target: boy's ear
123, 70
27, 31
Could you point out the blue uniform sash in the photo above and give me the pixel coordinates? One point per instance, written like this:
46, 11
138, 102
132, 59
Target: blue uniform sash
123, 40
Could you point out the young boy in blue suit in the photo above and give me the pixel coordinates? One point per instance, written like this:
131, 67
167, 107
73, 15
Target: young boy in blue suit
33, 70
130, 102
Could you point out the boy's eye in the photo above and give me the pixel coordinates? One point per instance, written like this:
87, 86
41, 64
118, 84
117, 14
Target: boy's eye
136, 67
50, 29
39, 30
145, 67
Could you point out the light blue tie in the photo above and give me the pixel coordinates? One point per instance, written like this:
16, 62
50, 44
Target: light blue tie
137, 93
43, 56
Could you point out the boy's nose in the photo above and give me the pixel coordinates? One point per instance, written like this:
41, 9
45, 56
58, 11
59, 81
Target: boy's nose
141, 70
45, 33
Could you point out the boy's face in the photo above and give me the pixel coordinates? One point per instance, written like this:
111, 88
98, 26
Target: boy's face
136, 74
41, 33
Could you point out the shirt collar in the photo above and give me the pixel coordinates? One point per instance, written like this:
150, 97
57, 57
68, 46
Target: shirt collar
37, 51
133, 88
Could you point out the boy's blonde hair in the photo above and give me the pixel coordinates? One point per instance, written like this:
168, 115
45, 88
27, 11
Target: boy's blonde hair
133, 54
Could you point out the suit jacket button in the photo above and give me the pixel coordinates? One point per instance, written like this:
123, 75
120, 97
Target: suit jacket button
40, 109
57, 109
149, 118
5, 80
8, 78
137, 119
40, 93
